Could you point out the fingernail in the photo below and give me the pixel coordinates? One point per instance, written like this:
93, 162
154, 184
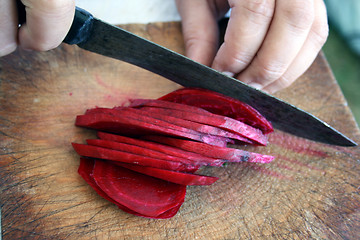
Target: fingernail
230, 74
27, 49
255, 85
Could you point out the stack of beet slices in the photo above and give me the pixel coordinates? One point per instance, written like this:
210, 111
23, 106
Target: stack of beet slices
148, 152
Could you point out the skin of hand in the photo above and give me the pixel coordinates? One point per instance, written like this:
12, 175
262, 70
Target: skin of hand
268, 44
47, 23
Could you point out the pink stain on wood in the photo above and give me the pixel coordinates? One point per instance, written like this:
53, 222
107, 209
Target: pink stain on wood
263, 170
284, 166
298, 145
102, 83
299, 163
112, 93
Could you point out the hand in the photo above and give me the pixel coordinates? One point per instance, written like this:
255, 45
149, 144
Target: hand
47, 23
268, 44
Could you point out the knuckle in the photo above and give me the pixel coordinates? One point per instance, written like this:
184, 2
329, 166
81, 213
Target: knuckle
278, 85
320, 32
233, 56
271, 71
284, 82
240, 59
263, 9
300, 14
190, 42
194, 41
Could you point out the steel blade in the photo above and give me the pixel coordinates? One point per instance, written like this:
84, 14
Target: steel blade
112, 41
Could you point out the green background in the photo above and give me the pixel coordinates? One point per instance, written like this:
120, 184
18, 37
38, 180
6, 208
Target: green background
345, 65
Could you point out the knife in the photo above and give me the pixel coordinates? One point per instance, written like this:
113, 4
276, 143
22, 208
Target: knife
94, 35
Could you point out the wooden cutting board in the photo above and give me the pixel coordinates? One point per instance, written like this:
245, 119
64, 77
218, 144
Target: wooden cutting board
311, 190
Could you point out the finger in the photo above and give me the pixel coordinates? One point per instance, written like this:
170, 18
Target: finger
8, 27
286, 36
200, 29
47, 23
313, 44
247, 27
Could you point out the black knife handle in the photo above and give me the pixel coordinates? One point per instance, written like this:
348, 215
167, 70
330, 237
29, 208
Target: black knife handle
81, 27
21, 12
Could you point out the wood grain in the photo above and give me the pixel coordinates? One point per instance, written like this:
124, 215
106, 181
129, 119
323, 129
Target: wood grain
311, 190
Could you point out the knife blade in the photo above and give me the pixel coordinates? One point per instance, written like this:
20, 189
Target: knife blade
94, 35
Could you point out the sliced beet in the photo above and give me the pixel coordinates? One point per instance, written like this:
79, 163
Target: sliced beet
140, 193
199, 127
172, 176
211, 119
86, 172
220, 104
229, 154
178, 133
197, 159
165, 104
168, 122
120, 156
138, 151
140, 116
132, 126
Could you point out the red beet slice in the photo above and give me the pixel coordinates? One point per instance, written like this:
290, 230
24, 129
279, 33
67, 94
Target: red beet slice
197, 159
120, 156
86, 172
168, 122
143, 194
201, 116
165, 104
184, 130
229, 154
199, 127
132, 126
220, 104
172, 176
137, 150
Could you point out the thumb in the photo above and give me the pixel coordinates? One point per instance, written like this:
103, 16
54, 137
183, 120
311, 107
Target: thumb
47, 23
